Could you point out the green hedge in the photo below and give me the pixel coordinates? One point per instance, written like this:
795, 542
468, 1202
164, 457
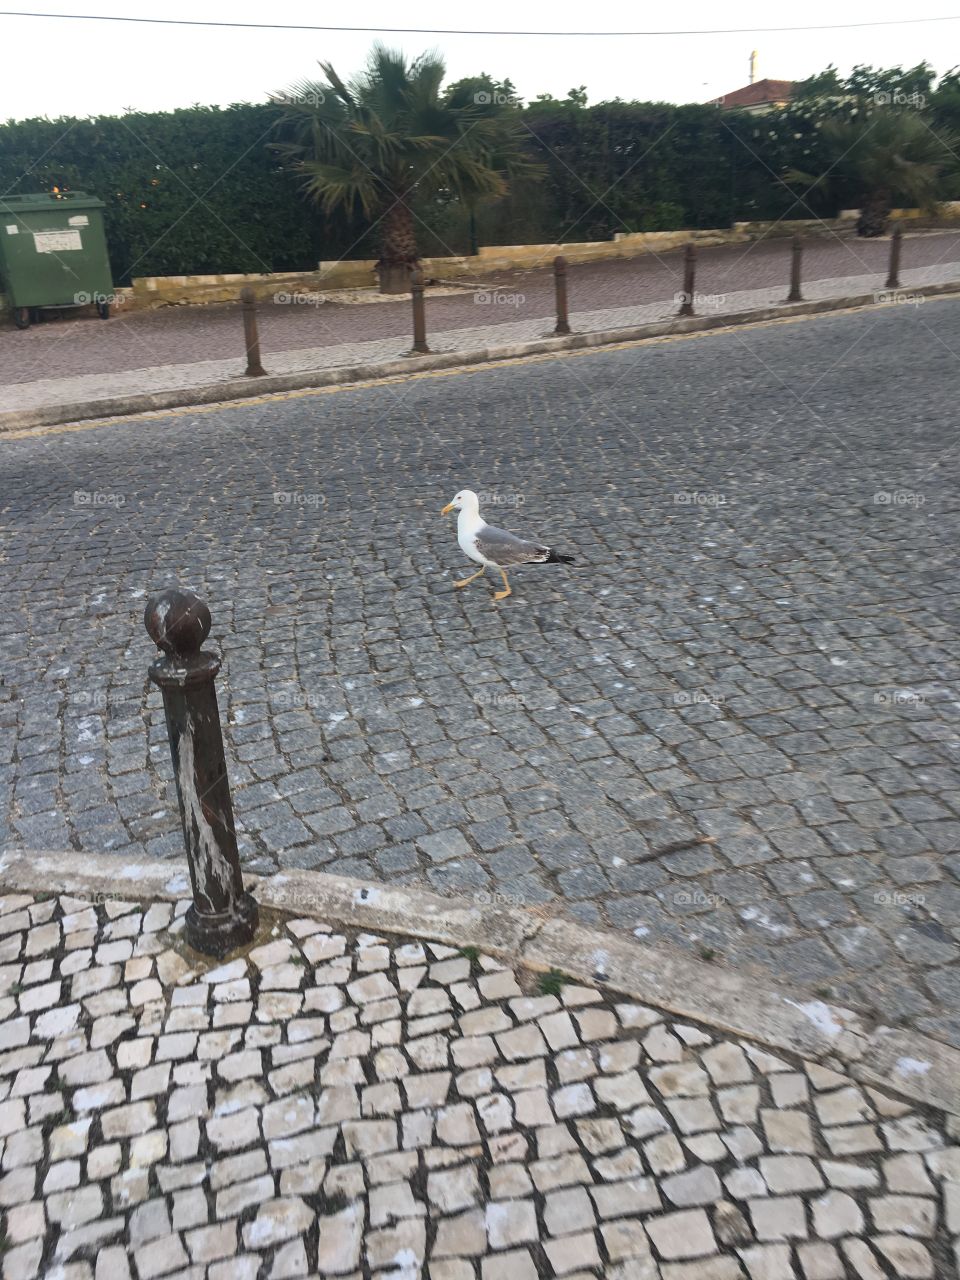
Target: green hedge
197, 191
188, 191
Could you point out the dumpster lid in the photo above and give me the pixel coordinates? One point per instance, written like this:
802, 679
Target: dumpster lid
46, 200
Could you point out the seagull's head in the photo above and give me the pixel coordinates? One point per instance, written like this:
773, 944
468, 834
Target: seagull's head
465, 500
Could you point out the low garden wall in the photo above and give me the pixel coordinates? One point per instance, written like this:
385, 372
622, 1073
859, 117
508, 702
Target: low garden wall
159, 291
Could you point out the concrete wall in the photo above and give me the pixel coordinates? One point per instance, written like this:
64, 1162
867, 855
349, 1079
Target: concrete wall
160, 291
153, 291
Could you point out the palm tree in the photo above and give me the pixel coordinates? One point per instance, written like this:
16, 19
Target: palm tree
878, 157
367, 146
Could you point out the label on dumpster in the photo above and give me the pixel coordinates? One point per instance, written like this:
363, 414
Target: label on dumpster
12, 228
56, 241
78, 220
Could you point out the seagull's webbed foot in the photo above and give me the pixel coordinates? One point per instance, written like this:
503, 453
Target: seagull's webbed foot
502, 595
465, 581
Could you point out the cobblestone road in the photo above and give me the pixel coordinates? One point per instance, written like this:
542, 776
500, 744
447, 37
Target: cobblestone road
330, 1103
731, 727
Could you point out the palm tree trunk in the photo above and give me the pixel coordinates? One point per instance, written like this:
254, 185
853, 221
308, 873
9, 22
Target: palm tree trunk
875, 214
398, 252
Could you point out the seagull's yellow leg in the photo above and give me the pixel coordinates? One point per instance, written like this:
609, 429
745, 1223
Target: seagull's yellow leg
502, 595
463, 581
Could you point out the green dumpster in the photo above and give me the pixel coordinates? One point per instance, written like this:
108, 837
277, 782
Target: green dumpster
53, 253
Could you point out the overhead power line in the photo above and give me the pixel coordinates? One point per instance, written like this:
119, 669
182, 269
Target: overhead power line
448, 31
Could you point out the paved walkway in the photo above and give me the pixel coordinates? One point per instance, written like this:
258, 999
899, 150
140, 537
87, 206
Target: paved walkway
72, 360
347, 1106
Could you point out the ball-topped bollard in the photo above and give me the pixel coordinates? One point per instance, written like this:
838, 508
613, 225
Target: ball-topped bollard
222, 915
177, 622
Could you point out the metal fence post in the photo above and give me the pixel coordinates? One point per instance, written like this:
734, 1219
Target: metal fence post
419, 313
796, 258
689, 277
251, 336
222, 915
893, 279
560, 283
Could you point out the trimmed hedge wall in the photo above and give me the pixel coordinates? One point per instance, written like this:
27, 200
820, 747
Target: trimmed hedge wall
196, 191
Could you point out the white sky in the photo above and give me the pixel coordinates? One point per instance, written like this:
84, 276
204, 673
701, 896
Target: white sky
58, 67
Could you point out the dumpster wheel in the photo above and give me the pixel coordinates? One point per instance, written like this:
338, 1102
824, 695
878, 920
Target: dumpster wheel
21, 317
103, 310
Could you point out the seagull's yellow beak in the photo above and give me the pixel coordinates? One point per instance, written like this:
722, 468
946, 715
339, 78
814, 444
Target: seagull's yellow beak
447, 509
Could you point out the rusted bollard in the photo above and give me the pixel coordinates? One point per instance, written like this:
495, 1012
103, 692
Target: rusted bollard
419, 313
689, 275
796, 258
251, 336
222, 916
893, 279
560, 285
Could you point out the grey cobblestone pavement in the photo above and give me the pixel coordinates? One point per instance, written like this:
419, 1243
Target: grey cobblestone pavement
69, 360
731, 727
336, 1105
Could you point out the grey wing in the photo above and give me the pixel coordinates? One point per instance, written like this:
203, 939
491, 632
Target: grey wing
506, 548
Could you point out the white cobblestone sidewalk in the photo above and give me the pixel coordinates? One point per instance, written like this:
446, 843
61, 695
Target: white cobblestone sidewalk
47, 392
341, 1105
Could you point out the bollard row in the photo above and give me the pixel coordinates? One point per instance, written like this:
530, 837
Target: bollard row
251, 335
796, 261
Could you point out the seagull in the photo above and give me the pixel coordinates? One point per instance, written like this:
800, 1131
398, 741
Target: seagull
491, 547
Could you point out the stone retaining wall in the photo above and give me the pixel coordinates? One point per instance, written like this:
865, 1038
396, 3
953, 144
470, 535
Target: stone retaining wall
160, 291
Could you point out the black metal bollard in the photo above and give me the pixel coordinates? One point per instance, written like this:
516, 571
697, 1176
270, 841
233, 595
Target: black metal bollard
689, 277
893, 279
222, 916
796, 258
419, 313
560, 284
251, 335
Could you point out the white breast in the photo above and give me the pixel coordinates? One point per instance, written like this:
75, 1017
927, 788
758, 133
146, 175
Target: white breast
468, 526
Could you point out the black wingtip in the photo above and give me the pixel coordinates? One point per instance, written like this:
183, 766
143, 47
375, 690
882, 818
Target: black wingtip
555, 558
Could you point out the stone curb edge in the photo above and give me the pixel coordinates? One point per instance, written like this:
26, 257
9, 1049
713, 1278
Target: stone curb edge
248, 388
911, 1064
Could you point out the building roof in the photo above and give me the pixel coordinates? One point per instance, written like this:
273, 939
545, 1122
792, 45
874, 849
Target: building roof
758, 93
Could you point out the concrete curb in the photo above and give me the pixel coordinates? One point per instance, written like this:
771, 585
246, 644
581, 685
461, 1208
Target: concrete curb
781, 1019
246, 388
